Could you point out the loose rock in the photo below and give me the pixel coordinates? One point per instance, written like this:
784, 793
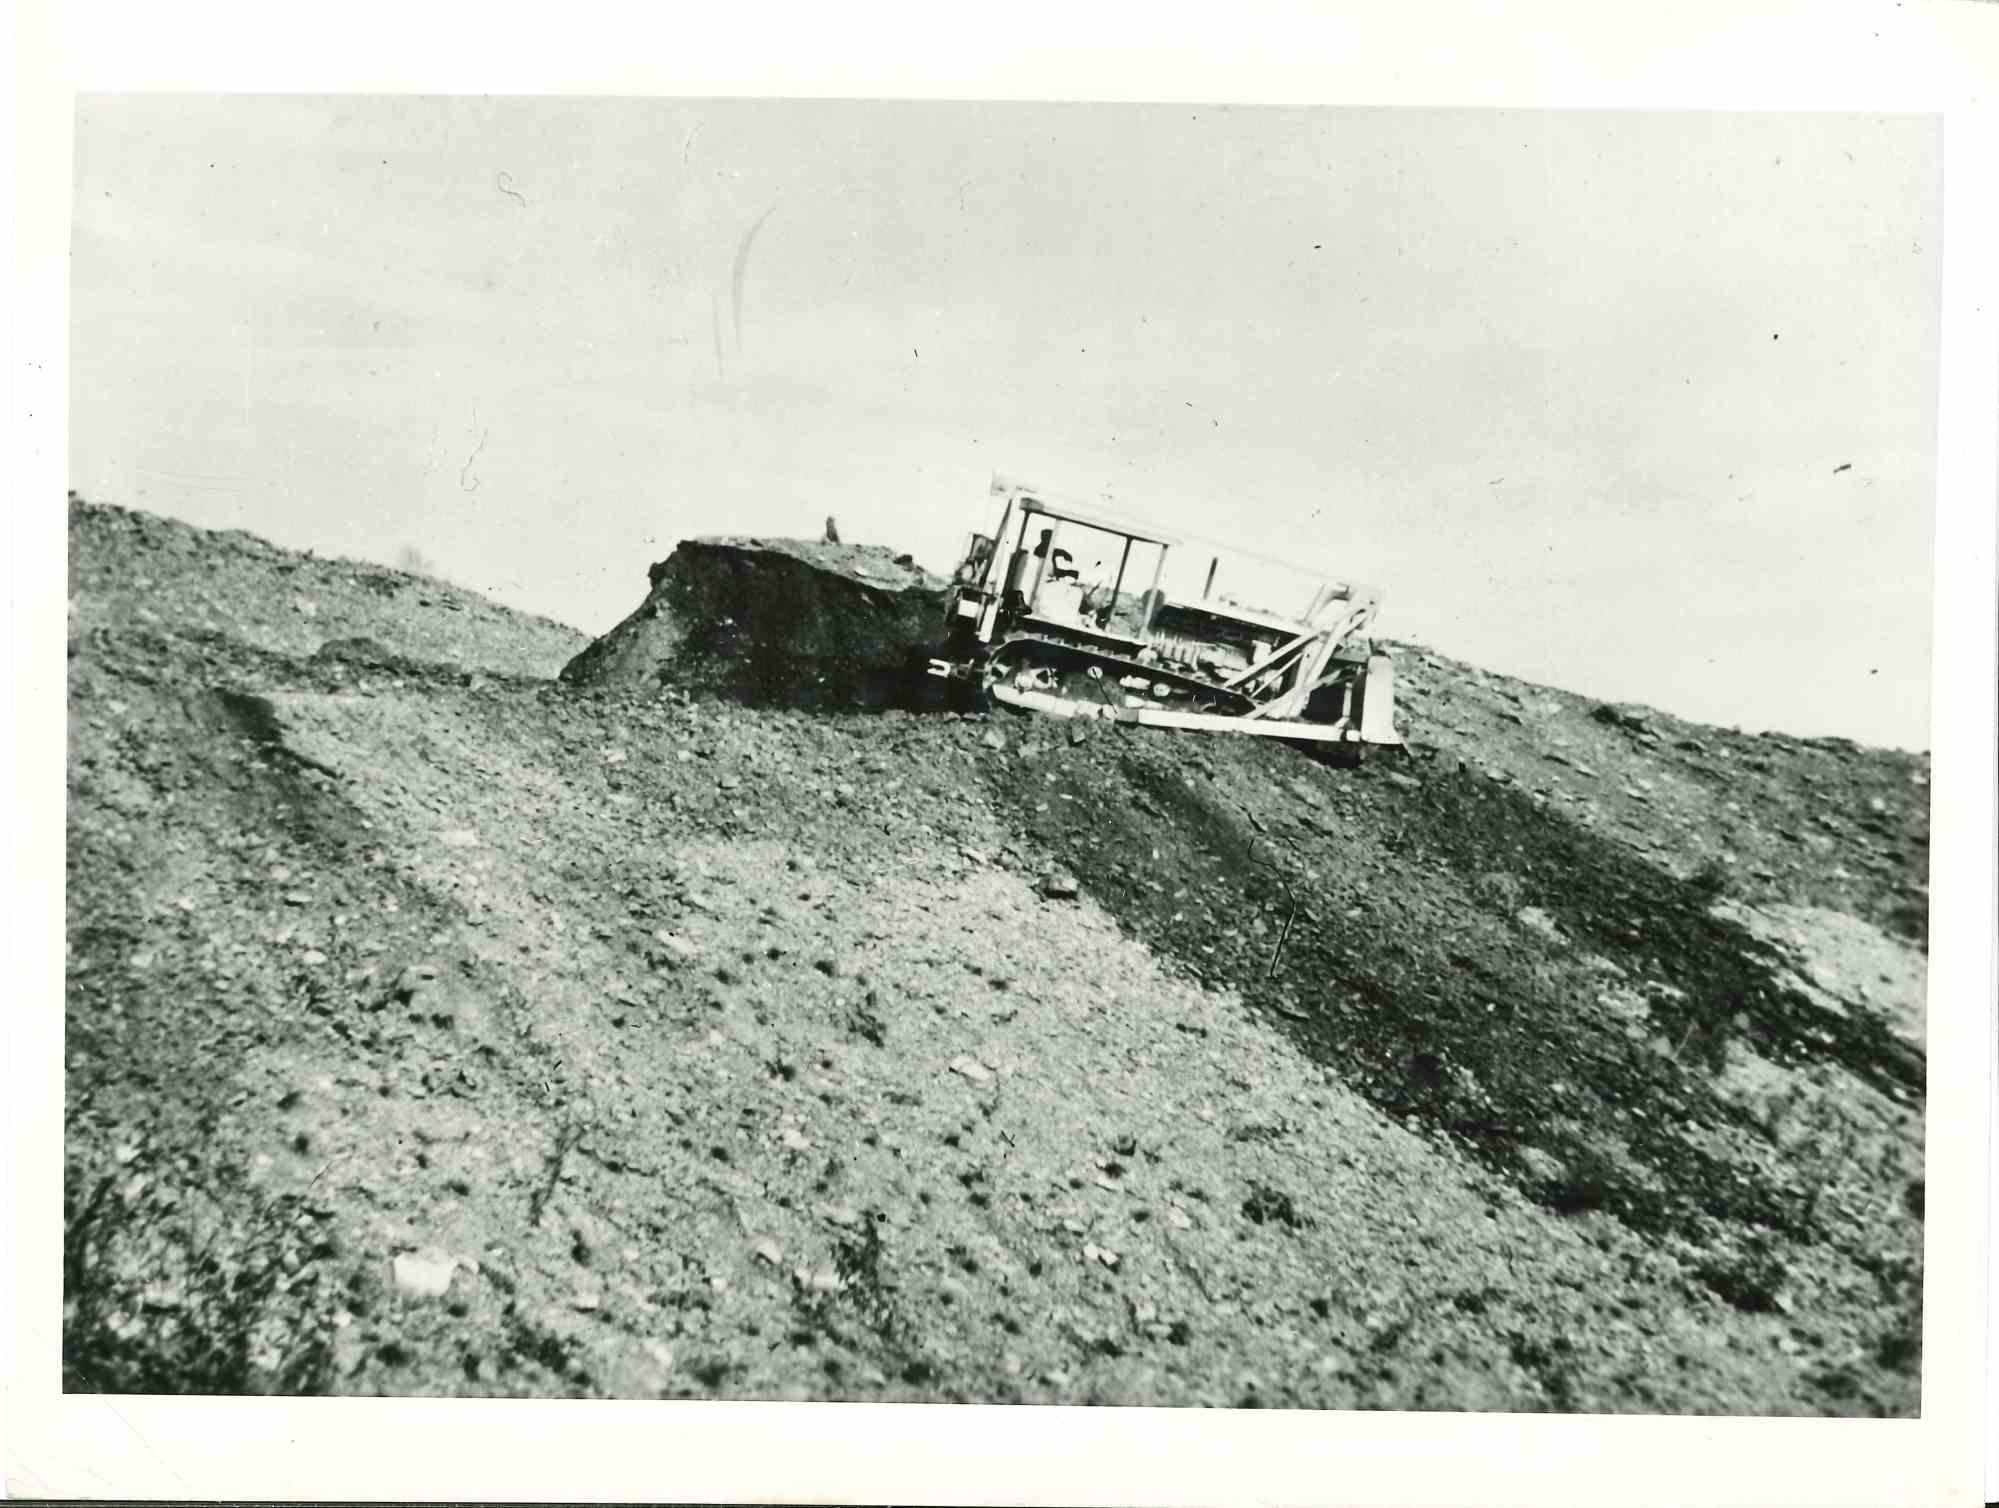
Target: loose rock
413, 979
425, 1274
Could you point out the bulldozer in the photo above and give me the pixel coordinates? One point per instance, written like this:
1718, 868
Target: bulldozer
1026, 627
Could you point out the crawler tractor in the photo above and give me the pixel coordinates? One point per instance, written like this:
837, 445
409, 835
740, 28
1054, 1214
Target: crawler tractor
1025, 627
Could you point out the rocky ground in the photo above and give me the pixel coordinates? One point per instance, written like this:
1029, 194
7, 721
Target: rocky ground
435, 1025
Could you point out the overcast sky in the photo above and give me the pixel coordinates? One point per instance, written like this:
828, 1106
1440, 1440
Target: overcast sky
1642, 405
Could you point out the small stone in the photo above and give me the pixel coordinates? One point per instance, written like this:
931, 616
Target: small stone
1542, 1167
349, 1354
1178, 1218
971, 1068
1406, 782
675, 944
730, 783
163, 1296
312, 958
424, 1274
826, 1280
1059, 885
414, 978
459, 837
994, 739
586, 1303
1077, 733
795, 1140
1536, 920
297, 898
842, 1215
769, 1251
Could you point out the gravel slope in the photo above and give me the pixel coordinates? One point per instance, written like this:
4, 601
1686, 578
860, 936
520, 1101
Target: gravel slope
436, 1028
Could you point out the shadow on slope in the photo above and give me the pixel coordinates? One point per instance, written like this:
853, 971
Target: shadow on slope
1452, 950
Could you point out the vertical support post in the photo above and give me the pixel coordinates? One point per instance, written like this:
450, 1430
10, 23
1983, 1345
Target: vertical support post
999, 543
1209, 585
1041, 570
1152, 598
1016, 561
1117, 585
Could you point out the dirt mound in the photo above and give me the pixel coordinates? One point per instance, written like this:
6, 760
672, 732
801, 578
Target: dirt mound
441, 1032
778, 622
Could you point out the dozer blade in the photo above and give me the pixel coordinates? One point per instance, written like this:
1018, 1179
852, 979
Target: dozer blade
1377, 702
1160, 717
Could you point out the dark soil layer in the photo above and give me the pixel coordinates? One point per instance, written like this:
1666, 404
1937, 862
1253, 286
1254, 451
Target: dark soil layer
783, 623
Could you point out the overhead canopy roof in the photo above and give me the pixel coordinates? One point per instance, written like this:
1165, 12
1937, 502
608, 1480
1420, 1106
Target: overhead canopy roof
1095, 518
